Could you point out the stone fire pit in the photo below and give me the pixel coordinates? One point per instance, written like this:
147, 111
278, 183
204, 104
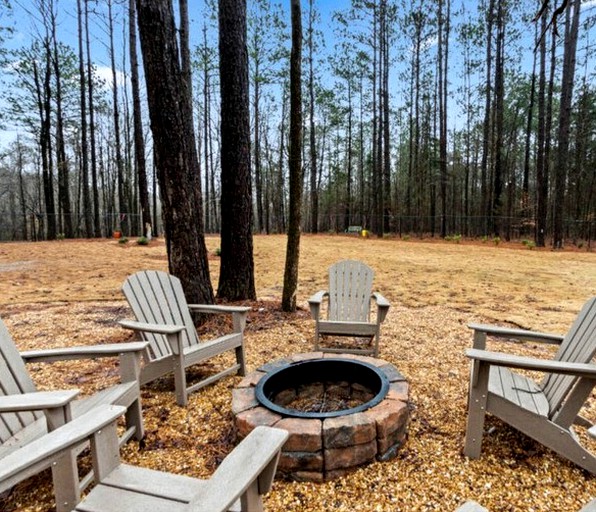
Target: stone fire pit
325, 445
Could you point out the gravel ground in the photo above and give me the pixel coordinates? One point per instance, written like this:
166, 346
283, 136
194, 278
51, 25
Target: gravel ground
435, 289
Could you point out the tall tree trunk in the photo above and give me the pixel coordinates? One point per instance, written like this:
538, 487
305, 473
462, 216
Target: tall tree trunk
209, 218
288, 302
486, 135
541, 164
497, 209
385, 113
569, 57
185, 63
376, 222
94, 183
442, 68
526, 175
61, 161
236, 276
278, 199
348, 207
314, 189
87, 208
116, 109
44, 95
175, 153
257, 148
139, 141
22, 198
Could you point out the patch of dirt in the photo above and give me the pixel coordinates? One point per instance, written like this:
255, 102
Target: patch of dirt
71, 296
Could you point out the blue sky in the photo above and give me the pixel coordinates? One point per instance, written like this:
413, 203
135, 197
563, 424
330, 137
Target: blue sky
27, 23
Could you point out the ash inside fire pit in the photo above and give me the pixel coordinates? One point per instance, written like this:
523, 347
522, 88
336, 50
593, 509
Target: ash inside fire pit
329, 396
322, 388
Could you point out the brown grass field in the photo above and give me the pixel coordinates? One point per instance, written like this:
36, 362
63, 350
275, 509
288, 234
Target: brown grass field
68, 293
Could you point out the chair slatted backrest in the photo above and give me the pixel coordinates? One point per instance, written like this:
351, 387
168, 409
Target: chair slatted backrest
578, 346
14, 379
350, 286
157, 297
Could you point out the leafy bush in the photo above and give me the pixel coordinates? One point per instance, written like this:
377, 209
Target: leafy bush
142, 240
123, 240
453, 238
497, 240
218, 251
529, 243
60, 236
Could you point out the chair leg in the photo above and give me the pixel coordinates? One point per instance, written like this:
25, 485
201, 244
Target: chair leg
180, 381
241, 360
251, 500
65, 478
134, 418
476, 409
317, 337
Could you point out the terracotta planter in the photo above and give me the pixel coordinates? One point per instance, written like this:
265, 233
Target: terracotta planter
117, 234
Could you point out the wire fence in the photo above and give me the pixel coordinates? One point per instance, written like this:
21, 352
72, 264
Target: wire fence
36, 226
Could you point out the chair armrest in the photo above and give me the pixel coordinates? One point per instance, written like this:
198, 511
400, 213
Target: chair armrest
520, 334
239, 313
86, 352
37, 401
315, 303
216, 308
253, 460
40, 453
155, 328
383, 306
530, 363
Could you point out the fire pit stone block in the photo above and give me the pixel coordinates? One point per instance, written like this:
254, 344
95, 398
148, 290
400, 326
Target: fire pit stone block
348, 430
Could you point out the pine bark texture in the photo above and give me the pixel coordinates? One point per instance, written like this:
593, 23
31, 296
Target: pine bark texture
293, 246
139, 141
175, 154
236, 276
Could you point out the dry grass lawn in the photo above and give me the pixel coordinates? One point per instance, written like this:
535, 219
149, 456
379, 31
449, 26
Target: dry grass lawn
68, 293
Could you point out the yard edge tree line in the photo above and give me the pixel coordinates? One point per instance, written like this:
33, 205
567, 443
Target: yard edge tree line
379, 152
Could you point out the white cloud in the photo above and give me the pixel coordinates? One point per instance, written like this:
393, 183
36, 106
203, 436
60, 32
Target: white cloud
105, 73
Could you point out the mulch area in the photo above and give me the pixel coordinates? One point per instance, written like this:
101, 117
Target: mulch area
425, 341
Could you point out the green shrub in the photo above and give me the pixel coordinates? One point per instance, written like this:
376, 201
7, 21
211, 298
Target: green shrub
218, 251
142, 240
530, 244
457, 238
497, 240
405, 237
123, 240
60, 236
484, 239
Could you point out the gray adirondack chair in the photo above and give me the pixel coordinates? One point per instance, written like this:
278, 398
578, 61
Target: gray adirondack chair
163, 319
545, 411
239, 483
349, 304
27, 414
